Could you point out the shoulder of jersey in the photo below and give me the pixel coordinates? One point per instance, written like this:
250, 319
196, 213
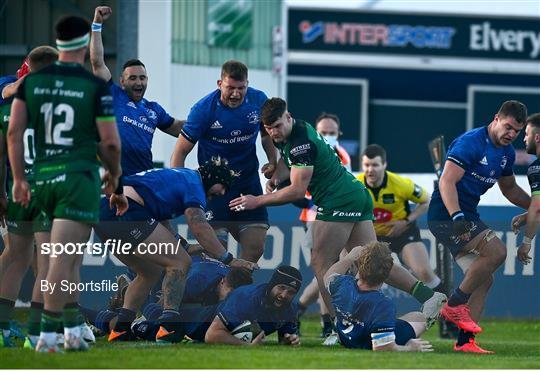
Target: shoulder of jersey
255, 92
209, 99
396, 178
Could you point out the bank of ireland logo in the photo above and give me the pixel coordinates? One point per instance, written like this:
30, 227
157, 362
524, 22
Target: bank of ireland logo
310, 32
235, 133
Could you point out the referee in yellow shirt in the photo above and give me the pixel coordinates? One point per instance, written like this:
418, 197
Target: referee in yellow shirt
394, 221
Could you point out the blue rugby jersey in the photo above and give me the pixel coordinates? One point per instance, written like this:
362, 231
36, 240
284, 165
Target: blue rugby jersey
227, 132
484, 164
202, 280
360, 313
167, 193
249, 303
137, 122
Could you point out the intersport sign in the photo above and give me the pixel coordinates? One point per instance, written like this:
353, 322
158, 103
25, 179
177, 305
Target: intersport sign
419, 34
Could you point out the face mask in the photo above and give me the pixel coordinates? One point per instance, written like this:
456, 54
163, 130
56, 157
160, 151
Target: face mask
331, 139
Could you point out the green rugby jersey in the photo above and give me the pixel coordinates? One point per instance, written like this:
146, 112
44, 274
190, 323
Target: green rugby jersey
28, 141
331, 183
63, 102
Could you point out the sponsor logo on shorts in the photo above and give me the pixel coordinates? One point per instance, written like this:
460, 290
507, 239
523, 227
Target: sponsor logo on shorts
346, 213
136, 233
209, 215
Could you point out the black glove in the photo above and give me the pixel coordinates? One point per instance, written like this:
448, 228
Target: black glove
460, 225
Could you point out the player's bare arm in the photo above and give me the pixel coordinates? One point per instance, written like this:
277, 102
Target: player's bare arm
206, 236
413, 345
97, 57
17, 125
217, 333
342, 265
533, 223
451, 175
10, 89
109, 149
400, 226
513, 192
281, 174
175, 128
269, 168
300, 178
181, 149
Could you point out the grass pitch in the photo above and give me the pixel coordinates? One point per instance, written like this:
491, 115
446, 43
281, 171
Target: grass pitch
516, 343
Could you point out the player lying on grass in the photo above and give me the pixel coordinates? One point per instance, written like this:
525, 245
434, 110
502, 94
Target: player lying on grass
267, 306
208, 282
156, 195
366, 318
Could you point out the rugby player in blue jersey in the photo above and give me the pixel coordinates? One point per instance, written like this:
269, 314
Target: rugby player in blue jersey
366, 318
475, 161
226, 123
208, 282
269, 304
532, 217
156, 195
136, 117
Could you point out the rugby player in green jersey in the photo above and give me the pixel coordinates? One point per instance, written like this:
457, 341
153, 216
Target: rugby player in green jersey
344, 205
72, 115
23, 225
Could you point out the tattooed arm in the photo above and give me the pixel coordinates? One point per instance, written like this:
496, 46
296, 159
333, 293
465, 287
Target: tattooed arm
203, 232
173, 286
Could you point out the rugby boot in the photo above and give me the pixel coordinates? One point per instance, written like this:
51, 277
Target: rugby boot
119, 336
87, 334
331, 340
432, 307
74, 343
117, 300
43, 347
461, 317
169, 334
471, 347
30, 342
